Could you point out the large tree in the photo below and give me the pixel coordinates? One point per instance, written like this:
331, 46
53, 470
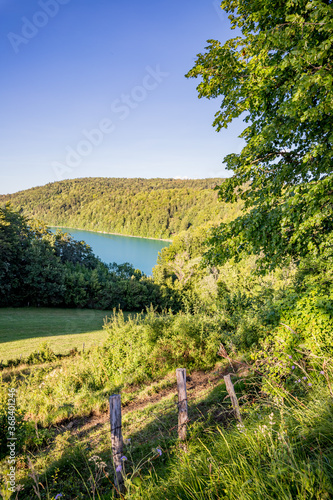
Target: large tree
277, 76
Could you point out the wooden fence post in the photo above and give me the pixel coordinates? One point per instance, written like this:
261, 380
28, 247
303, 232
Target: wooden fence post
233, 397
117, 441
182, 403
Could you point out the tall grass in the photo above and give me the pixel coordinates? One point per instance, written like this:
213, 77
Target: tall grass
283, 452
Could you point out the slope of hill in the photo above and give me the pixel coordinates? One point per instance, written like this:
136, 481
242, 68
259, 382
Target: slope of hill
157, 208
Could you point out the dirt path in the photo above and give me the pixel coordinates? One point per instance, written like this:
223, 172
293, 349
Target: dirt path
196, 383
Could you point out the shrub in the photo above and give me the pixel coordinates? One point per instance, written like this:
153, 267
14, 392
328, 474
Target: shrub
148, 345
42, 355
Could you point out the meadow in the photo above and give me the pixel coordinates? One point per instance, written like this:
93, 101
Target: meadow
22, 330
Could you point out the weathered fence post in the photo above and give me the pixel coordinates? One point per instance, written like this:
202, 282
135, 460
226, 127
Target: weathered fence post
233, 397
182, 403
83, 348
117, 441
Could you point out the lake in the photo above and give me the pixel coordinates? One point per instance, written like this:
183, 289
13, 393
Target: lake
140, 252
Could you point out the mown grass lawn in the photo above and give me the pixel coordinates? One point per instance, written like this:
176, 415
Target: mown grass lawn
22, 330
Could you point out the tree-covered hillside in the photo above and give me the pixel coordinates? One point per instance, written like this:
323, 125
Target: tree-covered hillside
157, 208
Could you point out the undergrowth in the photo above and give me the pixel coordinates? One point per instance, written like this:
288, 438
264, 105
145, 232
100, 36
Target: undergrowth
279, 332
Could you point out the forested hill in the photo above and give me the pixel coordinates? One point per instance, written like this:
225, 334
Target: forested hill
157, 208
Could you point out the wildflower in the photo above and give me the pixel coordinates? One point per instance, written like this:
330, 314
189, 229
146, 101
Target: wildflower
159, 451
118, 469
59, 495
322, 372
304, 378
310, 384
293, 367
123, 458
289, 357
299, 380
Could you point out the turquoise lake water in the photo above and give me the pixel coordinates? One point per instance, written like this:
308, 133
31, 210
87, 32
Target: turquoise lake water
140, 252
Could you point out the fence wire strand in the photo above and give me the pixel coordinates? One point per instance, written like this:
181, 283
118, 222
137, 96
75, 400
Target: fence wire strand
101, 433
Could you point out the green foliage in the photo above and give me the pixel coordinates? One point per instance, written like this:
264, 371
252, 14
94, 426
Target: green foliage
14, 240
42, 355
278, 76
156, 208
186, 283
257, 307
246, 303
311, 316
38, 268
104, 287
29, 270
147, 346
301, 345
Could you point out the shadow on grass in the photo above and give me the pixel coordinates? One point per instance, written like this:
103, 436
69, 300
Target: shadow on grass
27, 323
72, 468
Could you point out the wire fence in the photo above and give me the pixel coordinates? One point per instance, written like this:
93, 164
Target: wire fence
172, 417
194, 413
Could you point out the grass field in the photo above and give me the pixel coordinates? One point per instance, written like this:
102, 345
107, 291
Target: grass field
22, 330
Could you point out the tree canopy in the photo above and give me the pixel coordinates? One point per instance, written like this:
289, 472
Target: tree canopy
157, 208
277, 76
39, 268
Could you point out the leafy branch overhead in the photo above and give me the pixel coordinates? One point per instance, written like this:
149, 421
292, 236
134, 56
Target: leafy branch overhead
276, 76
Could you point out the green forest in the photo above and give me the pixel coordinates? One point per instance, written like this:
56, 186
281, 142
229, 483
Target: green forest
245, 289
156, 208
42, 269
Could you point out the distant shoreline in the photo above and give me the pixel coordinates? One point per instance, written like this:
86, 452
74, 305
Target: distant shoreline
115, 234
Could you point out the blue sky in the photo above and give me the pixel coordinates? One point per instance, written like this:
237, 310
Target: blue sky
97, 88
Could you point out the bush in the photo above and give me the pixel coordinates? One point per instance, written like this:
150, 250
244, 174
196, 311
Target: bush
42, 355
148, 345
